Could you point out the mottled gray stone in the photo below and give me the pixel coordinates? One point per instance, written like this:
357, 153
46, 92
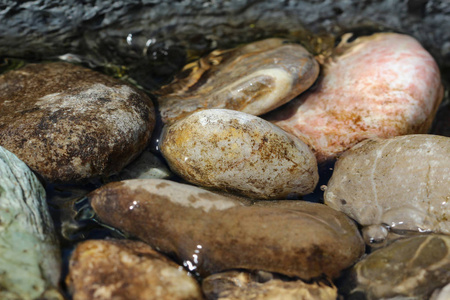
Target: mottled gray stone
70, 123
30, 264
411, 268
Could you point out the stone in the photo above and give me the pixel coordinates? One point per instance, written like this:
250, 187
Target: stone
146, 166
69, 123
30, 259
240, 153
401, 182
383, 85
127, 269
236, 285
210, 233
441, 294
410, 268
255, 79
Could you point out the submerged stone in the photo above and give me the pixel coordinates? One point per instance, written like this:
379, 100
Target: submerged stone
255, 78
402, 182
126, 269
382, 85
236, 285
69, 123
411, 268
30, 264
241, 153
210, 233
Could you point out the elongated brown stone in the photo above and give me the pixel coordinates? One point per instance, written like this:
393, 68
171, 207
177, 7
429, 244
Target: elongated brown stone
255, 78
209, 233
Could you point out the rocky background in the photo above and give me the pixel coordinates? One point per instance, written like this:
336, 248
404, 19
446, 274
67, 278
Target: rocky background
162, 32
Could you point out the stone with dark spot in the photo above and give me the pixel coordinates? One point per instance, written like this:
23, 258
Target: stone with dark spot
255, 78
410, 268
69, 123
238, 152
209, 233
125, 269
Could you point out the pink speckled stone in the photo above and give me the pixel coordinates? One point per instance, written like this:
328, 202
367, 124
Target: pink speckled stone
382, 85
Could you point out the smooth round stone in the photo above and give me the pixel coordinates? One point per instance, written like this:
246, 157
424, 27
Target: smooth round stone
255, 78
30, 259
412, 267
402, 182
125, 269
236, 285
69, 123
383, 85
239, 153
210, 233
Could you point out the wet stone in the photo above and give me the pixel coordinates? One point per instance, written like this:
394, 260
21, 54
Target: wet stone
209, 233
236, 285
126, 269
383, 85
30, 264
255, 78
239, 153
412, 267
146, 166
69, 123
401, 182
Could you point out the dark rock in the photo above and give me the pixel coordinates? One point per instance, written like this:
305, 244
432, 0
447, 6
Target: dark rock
69, 123
159, 32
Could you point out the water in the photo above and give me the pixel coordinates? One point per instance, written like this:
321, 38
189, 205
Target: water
74, 219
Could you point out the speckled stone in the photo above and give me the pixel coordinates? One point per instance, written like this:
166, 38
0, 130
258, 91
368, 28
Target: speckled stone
30, 259
236, 285
126, 269
209, 233
411, 268
255, 78
240, 153
69, 123
383, 85
402, 182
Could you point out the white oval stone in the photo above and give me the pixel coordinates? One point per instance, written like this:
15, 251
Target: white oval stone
239, 152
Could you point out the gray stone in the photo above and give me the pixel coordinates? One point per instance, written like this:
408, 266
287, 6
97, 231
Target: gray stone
401, 182
411, 268
30, 263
